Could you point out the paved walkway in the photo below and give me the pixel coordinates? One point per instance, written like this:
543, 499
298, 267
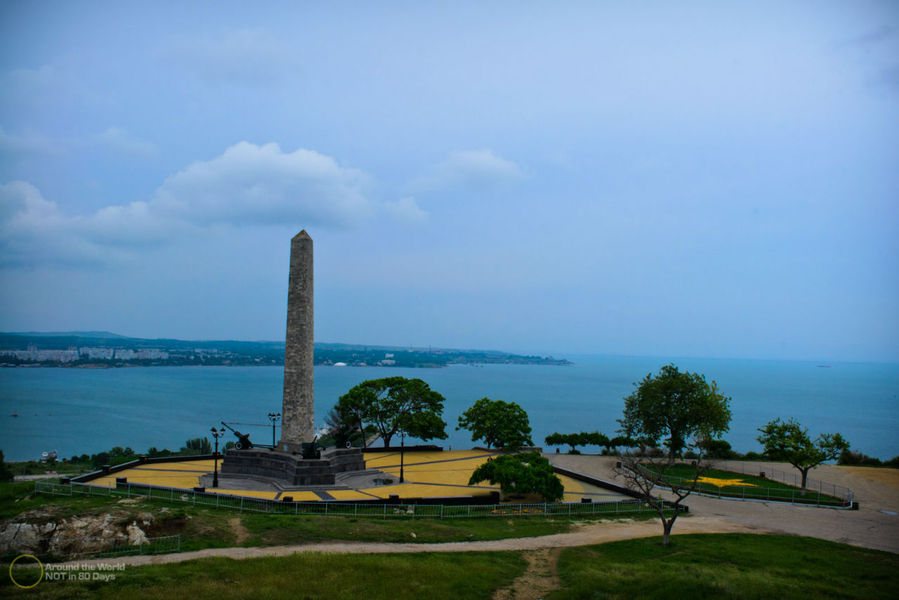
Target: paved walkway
869, 526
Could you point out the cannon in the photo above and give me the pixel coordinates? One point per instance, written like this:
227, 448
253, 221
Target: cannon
243, 439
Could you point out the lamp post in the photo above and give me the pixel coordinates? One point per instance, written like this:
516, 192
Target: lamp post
402, 433
216, 433
274, 418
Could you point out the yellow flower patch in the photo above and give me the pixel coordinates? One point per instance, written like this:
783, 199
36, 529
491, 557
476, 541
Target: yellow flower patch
724, 482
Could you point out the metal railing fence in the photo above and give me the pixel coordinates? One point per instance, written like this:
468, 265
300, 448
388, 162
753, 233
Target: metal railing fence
61, 549
118, 547
793, 495
793, 478
380, 510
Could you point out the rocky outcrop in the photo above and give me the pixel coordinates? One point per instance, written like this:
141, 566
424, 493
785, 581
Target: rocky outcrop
20, 538
72, 536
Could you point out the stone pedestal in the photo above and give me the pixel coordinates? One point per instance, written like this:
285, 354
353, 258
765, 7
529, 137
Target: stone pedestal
288, 469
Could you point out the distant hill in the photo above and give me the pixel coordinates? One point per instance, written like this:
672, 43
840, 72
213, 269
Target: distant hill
83, 334
104, 349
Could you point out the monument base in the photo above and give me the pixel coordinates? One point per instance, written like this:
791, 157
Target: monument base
292, 469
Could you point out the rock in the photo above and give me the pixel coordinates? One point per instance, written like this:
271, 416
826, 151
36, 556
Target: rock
47, 529
18, 538
413, 535
136, 535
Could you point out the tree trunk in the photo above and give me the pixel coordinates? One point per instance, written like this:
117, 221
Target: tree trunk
804, 476
668, 525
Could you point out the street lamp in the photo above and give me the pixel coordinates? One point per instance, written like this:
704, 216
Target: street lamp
274, 418
216, 433
402, 433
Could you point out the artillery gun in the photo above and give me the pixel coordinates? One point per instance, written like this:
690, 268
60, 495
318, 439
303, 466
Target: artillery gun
243, 439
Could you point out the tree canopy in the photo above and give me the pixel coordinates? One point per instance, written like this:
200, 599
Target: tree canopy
573, 440
391, 404
523, 473
500, 424
678, 406
789, 441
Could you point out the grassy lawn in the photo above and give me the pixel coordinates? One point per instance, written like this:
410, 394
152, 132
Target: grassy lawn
694, 566
351, 576
727, 566
207, 527
748, 486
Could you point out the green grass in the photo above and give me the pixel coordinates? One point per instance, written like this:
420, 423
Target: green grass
207, 527
351, 576
755, 488
282, 529
727, 566
39, 468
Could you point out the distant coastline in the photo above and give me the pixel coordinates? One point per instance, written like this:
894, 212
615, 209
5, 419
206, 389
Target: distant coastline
103, 350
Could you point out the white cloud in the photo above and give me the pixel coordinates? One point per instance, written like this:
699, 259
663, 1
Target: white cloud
263, 185
470, 169
35, 79
11, 144
246, 56
246, 185
406, 210
33, 230
123, 143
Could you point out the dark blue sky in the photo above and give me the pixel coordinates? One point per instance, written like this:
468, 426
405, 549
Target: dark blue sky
693, 178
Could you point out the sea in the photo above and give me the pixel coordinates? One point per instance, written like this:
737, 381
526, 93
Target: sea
77, 411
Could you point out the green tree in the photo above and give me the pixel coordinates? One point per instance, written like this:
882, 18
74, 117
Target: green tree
523, 473
646, 477
197, 446
573, 440
391, 404
679, 406
341, 431
5, 473
789, 441
500, 424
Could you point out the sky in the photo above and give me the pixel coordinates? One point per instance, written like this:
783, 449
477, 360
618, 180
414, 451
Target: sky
651, 178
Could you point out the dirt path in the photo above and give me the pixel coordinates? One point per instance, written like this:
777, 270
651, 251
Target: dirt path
241, 533
539, 579
594, 533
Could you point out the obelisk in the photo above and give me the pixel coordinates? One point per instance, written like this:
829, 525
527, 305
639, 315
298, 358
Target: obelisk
298, 412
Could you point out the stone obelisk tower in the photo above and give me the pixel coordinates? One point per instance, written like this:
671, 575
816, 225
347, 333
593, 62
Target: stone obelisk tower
298, 412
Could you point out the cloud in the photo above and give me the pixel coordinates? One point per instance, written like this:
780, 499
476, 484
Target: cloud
406, 210
16, 145
472, 170
35, 79
123, 143
246, 185
245, 56
263, 185
32, 230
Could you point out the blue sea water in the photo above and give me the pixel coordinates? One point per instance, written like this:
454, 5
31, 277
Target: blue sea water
77, 411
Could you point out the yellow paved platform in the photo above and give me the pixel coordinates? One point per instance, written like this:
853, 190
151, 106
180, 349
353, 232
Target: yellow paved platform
426, 474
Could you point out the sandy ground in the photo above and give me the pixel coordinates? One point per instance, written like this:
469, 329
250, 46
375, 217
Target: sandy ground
869, 527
